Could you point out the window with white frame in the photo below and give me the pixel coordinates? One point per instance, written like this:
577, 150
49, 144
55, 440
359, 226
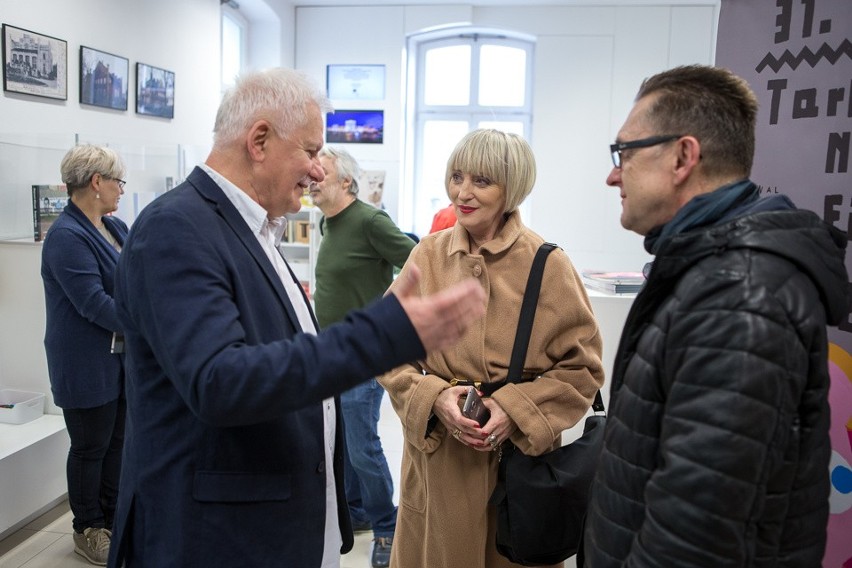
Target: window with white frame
234, 29
464, 80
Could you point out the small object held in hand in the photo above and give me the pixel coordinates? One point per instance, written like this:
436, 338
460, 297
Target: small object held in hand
474, 408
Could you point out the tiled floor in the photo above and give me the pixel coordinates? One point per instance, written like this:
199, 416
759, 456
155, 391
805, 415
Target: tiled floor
47, 543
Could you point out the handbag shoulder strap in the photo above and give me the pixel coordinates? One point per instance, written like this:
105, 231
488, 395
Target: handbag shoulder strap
525, 321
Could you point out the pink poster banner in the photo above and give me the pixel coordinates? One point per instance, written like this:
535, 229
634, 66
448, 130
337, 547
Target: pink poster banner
797, 56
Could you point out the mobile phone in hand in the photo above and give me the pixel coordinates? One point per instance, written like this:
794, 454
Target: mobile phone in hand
474, 408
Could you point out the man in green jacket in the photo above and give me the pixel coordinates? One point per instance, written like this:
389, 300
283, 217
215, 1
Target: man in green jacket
360, 247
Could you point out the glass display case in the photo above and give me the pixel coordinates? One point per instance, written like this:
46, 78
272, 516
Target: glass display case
34, 159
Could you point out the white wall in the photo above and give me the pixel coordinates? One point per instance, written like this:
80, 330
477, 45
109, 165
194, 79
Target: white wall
589, 61
181, 36
35, 132
362, 35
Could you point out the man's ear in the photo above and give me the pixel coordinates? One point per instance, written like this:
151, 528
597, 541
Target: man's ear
257, 140
688, 157
347, 183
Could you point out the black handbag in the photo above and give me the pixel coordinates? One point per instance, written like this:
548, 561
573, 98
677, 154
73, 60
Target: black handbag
541, 500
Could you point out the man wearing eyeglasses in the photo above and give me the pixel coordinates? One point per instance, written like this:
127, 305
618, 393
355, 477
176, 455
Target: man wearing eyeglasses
717, 447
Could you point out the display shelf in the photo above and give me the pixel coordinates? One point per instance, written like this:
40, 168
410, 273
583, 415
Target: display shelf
32, 469
16, 437
26, 241
301, 244
26, 159
610, 312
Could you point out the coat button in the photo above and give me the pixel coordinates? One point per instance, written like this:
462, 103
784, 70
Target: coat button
321, 467
477, 270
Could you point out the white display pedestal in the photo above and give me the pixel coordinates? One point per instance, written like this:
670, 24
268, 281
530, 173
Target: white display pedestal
32, 470
611, 312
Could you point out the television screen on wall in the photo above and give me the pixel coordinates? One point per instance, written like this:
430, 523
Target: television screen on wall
355, 127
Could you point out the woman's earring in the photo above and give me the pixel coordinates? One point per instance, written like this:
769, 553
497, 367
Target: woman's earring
97, 196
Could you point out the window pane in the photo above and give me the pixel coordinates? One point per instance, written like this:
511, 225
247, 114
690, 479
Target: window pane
502, 76
447, 78
511, 127
439, 139
231, 50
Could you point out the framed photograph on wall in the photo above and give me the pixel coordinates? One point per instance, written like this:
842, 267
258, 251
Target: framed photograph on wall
355, 82
355, 127
34, 64
103, 79
155, 91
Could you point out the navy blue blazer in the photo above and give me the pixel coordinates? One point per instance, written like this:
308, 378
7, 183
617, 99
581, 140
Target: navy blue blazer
77, 269
224, 462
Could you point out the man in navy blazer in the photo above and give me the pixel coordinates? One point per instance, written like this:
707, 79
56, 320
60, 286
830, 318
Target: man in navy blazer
233, 450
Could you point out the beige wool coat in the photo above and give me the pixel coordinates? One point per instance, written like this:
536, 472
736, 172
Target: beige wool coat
444, 519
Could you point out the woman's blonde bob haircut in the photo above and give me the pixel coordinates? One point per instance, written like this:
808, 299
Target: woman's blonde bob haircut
506, 159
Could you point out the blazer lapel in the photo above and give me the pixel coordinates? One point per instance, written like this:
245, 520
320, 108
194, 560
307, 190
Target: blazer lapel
208, 189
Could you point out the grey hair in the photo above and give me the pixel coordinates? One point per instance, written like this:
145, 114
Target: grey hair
504, 158
279, 95
82, 162
347, 167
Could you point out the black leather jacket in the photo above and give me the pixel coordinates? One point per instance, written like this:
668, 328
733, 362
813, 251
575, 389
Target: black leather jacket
717, 444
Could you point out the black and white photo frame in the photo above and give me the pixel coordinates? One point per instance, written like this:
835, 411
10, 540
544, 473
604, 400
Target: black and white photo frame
34, 63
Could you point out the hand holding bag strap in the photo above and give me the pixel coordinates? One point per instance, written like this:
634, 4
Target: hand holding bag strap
525, 321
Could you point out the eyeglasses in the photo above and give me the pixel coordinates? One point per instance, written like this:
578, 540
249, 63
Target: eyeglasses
121, 182
618, 147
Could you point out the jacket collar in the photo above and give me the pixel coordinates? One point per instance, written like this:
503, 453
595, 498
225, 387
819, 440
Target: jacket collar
77, 215
797, 235
512, 229
209, 190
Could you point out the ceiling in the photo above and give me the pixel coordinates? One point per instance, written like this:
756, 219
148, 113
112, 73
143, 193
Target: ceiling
490, 2
260, 10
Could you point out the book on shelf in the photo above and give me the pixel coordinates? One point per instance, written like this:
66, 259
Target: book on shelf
613, 282
48, 203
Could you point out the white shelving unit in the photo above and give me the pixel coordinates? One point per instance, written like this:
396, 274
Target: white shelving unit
301, 244
32, 469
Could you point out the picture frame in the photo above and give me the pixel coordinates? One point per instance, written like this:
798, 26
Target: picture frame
355, 82
104, 79
355, 127
155, 91
34, 63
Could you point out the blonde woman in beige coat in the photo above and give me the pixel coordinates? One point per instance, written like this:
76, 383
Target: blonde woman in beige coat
449, 465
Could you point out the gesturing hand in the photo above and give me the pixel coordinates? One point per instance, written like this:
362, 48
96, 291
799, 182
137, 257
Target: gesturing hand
441, 318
